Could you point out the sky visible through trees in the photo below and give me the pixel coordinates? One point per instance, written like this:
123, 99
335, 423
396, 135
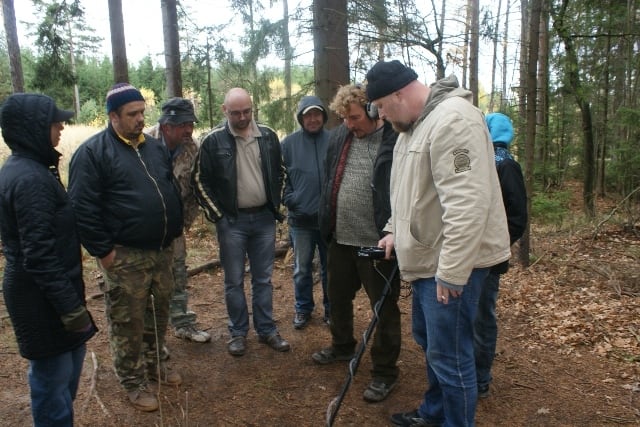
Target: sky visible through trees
143, 30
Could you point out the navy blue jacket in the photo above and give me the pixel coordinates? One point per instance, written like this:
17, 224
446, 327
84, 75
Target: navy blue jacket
42, 282
304, 155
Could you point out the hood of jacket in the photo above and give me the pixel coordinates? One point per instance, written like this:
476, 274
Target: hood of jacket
26, 126
310, 101
443, 89
500, 128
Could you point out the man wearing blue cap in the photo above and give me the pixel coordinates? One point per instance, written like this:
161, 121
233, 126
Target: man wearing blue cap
129, 212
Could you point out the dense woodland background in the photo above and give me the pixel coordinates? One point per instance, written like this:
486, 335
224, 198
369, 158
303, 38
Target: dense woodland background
565, 71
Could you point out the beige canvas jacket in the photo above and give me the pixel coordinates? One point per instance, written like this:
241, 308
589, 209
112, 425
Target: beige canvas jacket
447, 211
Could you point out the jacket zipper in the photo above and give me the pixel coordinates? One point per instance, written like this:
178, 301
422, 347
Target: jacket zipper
164, 205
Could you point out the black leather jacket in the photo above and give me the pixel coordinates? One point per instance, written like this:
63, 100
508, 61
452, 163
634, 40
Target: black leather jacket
379, 185
214, 177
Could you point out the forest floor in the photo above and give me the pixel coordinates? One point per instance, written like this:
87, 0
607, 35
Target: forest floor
568, 350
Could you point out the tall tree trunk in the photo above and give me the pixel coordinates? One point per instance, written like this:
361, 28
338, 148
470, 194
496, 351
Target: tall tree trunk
505, 51
171, 37
118, 45
474, 46
524, 52
72, 61
530, 137
331, 50
588, 162
465, 48
494, 57
542, 155
15, 61
288, 58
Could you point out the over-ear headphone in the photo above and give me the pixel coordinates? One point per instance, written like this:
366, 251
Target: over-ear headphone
369, 108
372, 111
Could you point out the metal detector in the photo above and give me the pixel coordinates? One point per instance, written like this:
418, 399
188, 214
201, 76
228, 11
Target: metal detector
374, 254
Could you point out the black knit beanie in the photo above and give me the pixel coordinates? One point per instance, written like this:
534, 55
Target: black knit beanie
385, 78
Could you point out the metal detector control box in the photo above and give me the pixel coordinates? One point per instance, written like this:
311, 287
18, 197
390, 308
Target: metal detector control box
371, 252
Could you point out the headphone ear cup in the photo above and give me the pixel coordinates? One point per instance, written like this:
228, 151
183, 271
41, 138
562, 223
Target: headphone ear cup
372, 111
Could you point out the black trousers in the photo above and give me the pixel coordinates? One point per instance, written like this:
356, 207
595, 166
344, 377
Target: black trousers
346, 273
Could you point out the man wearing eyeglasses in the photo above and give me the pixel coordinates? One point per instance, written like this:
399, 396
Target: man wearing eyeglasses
237, 179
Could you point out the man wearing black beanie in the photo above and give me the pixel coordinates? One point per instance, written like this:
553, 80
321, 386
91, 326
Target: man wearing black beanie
447, 226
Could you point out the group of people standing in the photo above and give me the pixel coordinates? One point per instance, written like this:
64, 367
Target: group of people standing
411, 170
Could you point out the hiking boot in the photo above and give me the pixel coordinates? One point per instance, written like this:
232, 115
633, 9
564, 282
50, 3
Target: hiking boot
483, 391
167, 376
378, 391
275, 341
190, 333
412, 419
328, 355
300, 320
237, 345
143, 400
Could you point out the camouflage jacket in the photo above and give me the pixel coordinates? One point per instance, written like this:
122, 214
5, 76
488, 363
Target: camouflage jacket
182, 166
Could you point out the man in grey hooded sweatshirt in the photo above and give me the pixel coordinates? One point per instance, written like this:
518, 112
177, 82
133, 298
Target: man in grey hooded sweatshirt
304, 153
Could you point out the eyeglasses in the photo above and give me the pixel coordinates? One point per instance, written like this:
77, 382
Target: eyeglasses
238, 114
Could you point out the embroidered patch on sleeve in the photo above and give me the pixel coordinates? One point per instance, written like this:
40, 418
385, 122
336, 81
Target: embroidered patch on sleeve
461, 160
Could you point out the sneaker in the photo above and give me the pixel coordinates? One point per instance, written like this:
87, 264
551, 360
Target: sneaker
300, 320
483, 391
237, 345
275, 341
327, 320
143, 400
190, 333
378, 391
412, 419
327, 356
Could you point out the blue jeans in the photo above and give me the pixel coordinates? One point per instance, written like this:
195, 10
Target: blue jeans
252, 235
305, 241
54, 382
486, 330
445, 332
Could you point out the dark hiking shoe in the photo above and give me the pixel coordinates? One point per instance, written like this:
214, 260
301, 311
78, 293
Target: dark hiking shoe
327, 356
412, 419
237, 346
300, 320
275, 341
378, 391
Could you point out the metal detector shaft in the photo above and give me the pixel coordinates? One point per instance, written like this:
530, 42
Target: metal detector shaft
334, 405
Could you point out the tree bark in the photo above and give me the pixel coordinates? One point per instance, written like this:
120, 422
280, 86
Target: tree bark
331, 50
13, 46
118, 45
171, 37
474, 10
531, 109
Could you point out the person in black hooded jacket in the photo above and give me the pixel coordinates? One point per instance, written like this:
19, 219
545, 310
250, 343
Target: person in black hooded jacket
43, 288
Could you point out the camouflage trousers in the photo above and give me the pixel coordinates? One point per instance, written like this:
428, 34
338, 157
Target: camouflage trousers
179, 315
138, 287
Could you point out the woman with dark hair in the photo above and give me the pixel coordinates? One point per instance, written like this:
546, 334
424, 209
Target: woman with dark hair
43, 287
